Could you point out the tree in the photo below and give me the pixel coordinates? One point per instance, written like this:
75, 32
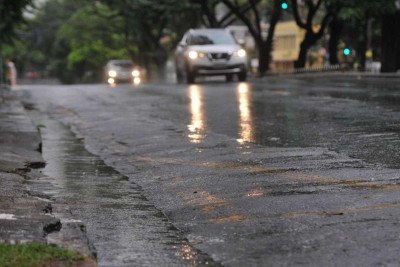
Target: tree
335, 30
11, 14
44, 53
252, 20
359, 17
210, 17
154, 26
391, 39
335, 26
92, 35
312, 33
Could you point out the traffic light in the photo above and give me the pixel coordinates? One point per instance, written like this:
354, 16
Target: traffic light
346, 51
284, 5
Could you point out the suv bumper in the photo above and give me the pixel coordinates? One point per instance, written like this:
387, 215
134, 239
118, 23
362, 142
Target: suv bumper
218, 70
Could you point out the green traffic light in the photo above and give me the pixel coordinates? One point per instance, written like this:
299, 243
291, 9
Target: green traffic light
346, 51
284, 6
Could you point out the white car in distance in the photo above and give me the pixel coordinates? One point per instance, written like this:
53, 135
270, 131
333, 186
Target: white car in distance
122, 70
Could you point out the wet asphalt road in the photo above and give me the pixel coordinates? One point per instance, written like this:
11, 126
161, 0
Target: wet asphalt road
281, 171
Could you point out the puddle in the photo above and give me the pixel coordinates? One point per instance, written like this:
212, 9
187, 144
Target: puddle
5, 216
125, 228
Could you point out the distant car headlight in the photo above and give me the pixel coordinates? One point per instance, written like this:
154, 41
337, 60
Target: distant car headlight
135, 73
112, 73
136, 81
193, 55
240, 53
111, 81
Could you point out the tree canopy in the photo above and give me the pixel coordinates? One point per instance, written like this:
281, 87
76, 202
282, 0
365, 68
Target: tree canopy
92, 35
11, 14
73, 39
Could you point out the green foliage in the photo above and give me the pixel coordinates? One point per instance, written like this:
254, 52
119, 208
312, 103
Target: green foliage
11, 14
357, 10
33, 50
364, 18
38, 57
72, 39
39, 126
36, 254
92, 36
154, 26
17, 51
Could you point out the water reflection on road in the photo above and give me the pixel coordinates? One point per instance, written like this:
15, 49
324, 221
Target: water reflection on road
246, 130
125, 228
197, 123
304, 112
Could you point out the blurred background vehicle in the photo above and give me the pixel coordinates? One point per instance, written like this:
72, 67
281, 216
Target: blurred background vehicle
209, 52
122, 70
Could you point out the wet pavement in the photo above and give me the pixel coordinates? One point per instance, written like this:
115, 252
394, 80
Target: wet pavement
26, 215
282, 171
357, 115
124, 227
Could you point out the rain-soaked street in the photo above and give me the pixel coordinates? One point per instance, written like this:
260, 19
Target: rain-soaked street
279, 171
126, 229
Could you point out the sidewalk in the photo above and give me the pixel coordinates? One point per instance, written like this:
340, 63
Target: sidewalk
355, 74
25, 214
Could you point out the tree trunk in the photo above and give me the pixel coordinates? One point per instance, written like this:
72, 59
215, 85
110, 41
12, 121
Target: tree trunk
335, 27
263, 62
211, 21
268, 44
1, 70
159, 59
363, 45
305, 45
390, 43
311, 37
147, 66
302, 58
162, 71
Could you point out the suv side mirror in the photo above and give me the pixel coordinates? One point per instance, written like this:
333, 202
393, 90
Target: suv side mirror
241, 41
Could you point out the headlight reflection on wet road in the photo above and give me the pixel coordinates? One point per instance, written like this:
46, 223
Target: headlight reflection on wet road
197, 125
246, 127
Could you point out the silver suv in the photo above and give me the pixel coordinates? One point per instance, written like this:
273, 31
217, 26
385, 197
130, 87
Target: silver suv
209, 52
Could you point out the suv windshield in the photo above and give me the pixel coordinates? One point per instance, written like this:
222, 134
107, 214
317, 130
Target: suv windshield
207, 38
124, 65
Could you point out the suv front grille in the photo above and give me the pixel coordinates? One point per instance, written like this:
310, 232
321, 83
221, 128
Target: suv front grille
219, 56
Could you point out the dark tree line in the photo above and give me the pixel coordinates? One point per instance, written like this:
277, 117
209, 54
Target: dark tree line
75, 37
391, 41
11, 14
317, 18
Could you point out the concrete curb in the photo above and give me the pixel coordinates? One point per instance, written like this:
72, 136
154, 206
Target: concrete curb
26, 214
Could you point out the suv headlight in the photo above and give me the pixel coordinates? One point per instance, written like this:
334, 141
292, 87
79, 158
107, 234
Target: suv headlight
112, 73
240, 53
195, 55
135, 73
